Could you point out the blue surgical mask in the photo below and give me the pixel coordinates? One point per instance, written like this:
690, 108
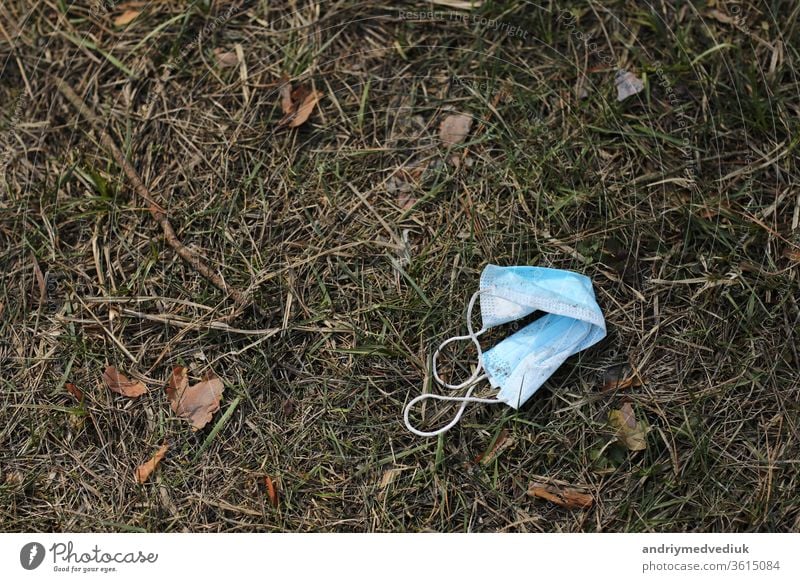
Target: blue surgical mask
518, 365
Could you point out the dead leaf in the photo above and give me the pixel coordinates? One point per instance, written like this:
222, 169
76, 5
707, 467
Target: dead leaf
126, 17
629, 382
404, 180
405, 202
226, 58
454, 129
272, 491
144, 470
120, 383
565, 497
13, 479
298, 95
620, 377
389, 476
630, 433
178, 383
74, 390
792, 254
197, 403
627, 84
305, 109
297, 104
285, 93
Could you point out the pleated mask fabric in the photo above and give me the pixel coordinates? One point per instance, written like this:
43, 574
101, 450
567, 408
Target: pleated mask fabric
519, 365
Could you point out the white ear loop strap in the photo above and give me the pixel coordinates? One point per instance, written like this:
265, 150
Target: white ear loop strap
464, 400
473, 380
471, 335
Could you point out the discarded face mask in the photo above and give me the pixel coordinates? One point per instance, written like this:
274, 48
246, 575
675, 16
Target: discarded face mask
522, 362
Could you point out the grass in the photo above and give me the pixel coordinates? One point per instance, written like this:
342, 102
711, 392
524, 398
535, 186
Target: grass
679, 202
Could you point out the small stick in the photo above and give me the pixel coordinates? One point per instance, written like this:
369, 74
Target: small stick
156, 211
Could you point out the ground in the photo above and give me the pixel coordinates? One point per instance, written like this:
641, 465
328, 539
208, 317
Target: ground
360, 236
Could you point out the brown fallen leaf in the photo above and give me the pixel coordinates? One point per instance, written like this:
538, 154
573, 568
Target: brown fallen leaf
120, 383
298, 95
226, 58
792, 254
389, 476
285, 93
629, 382
272, 491
197, 403
178, 382
297, 104
630, 433
565, 497
144, 470
305, 108
74, 390
126, 17
13, 478
405, 180
620, 377
454, 129
405, 201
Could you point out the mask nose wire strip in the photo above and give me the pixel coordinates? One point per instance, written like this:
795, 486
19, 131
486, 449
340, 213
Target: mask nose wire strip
464, 400
471, 335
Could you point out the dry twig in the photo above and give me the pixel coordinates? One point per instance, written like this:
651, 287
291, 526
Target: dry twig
156, 210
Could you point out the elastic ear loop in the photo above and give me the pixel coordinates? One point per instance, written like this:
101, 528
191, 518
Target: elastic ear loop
474, 379
466, 399
471, 335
